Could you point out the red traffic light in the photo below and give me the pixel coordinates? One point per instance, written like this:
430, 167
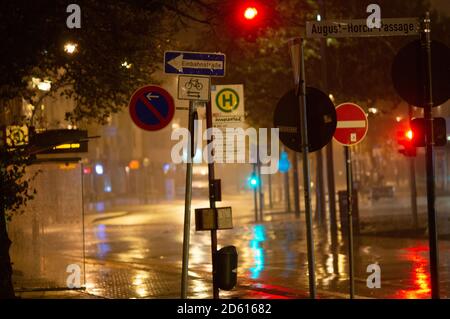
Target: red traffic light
409, 134
405, 138
250, 13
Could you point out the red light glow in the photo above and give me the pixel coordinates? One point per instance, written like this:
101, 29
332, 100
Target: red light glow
250, 13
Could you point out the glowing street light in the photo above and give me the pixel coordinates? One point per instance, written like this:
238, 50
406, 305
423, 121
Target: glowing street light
70, 47
126, 65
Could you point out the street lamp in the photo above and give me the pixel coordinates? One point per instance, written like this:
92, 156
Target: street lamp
70, 47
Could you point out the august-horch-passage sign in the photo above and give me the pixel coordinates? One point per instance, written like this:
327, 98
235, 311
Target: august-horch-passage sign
359, 28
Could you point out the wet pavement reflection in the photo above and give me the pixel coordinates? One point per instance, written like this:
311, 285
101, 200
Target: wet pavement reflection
136, 253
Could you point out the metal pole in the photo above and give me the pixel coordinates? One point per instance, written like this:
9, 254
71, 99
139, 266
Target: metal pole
329, 148
320, 198
260, 191
212, 199
306, 171
287, 196
296, 186
412, 174
187, 203
255, 199
269, 177
429, 155
348, 167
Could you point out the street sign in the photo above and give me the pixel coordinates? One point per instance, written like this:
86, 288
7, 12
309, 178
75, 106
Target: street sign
151, 108
213, 218
193, 88
228, 105
352, 124
195, 63
359, 28
409, 79
321, 119
228, 111
16, 135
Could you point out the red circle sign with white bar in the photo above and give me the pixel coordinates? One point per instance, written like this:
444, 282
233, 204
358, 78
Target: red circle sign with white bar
352, 124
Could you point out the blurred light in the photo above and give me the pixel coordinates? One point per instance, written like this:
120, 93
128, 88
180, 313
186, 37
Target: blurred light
134, 165
448, 138
146, 162
398, 118
99, 169
409, 134
68, 166
87, 170
250, 13
70, 47
126, 65
45, 85
253, 181
331, 96
259, 236
166, 167
319, 17
283, 164
127, 169
108, 189
373, 110
175, 126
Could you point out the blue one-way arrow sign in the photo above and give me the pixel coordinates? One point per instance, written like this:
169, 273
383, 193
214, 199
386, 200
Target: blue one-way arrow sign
198, 63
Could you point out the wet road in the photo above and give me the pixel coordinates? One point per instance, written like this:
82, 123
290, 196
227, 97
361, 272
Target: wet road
135, 252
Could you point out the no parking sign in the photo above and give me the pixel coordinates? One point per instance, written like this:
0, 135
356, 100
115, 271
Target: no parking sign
151, 108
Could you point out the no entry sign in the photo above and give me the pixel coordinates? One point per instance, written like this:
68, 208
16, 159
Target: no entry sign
352, 124
151, 108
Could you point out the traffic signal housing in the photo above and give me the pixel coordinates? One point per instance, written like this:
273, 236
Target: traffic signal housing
439, 131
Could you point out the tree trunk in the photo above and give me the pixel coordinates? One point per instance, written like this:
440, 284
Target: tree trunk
6, 286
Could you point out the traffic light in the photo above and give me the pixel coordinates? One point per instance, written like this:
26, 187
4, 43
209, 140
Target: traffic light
253, 181
250, 18
250, 13
405, 137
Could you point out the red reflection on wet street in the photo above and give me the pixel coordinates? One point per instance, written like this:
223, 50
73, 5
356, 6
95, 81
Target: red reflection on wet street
420, 273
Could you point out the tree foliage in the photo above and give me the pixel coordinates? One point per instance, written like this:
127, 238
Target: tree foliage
358, 69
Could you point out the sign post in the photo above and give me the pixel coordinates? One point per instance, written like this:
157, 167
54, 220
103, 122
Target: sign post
429, 156
197, 88
187, 201
297, 58
352, 126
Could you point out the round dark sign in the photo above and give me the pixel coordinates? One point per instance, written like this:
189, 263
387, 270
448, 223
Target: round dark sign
408, 73
321, 119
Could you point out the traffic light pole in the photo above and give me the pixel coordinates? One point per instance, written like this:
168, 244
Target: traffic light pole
412, 174
255, 198
429, 156
212, 199
301, 92
187, 202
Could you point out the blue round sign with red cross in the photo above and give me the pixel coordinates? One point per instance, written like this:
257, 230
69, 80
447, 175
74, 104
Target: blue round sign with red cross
151, 108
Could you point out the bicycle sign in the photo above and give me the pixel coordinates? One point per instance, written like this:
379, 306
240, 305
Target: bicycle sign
196, 88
